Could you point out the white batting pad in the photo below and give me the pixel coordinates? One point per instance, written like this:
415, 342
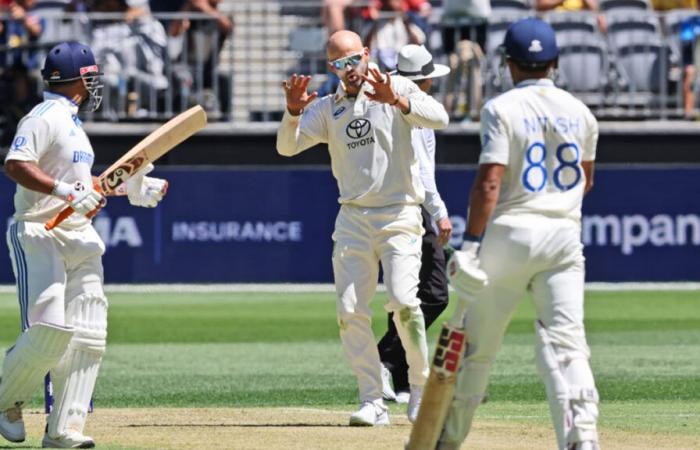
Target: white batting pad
75, 375
36, 351
572, 396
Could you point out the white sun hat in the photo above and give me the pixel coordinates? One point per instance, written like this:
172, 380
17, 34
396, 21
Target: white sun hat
416, 63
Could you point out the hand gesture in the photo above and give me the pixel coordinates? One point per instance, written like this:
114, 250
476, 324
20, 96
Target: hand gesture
295, 91
383, 93
444, 227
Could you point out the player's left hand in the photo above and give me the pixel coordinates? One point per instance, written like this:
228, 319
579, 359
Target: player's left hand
444, 227
383, 92
464, 271
145, 191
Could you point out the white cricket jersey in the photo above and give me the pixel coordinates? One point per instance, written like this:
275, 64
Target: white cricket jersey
369, 142
423, 141
541, 134
52, 137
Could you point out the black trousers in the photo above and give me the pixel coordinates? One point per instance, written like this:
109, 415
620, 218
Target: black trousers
433, 294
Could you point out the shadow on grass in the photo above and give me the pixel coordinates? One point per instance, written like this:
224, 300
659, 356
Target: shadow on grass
232, 425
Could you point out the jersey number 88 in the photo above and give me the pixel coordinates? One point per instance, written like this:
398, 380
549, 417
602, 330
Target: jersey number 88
535, 174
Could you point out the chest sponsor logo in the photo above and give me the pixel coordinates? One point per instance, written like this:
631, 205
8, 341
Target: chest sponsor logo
83, 157
359, 131
358, 128
339, 112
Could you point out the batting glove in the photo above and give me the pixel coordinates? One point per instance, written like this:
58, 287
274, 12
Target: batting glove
145, 191
84, 200
464, 273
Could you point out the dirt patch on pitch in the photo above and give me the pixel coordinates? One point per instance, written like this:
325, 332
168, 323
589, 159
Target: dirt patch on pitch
308, 429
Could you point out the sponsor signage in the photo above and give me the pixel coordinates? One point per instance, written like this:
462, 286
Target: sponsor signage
275, 225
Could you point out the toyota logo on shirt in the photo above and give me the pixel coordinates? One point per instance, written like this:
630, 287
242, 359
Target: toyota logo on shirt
358, 128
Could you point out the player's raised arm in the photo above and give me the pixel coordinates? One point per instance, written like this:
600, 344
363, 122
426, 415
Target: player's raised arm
418, 108
299, 129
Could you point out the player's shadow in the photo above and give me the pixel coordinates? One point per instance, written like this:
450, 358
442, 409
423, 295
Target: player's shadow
233, 425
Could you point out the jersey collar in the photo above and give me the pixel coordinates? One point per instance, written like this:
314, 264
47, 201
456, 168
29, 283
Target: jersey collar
65, 101
533, 82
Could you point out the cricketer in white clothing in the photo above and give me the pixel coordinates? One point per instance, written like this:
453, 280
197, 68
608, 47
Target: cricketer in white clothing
59, 272
367, 125
538, 149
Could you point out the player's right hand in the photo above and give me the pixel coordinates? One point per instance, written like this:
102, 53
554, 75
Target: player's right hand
464, 271
84, 200
296, 95
444, 228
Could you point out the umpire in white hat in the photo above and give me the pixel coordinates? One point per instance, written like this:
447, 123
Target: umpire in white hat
416, 63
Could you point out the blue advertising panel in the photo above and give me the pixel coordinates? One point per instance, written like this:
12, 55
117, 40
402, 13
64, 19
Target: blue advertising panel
275, 225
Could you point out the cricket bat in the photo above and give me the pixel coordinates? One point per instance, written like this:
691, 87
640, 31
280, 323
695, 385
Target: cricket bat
439, 389
152, 147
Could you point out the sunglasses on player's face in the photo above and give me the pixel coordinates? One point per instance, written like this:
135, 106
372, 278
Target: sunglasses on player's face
343, 63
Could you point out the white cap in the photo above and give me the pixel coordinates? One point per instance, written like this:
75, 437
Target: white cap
416, 63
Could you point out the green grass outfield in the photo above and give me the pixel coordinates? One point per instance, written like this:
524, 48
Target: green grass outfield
282, 349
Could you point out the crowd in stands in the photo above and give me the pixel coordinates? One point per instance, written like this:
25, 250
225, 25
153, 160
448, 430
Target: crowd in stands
139, 55
636, 53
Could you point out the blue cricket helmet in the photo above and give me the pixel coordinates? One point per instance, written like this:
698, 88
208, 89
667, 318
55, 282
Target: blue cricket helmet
70, 61
531, 42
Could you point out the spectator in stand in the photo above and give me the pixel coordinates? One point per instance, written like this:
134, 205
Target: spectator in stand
391, 30
204, 40
333, 14
418, 11
690, 30
689, 41
19, 28
464, 24
132, 52
573, 5
18, 95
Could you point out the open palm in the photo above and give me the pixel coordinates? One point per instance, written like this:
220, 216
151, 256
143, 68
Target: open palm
295, 91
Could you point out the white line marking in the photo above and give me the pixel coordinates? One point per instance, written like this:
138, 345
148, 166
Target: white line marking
329, 288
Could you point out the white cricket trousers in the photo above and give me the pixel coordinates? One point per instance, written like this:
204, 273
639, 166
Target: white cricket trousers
363, 237
544, 256
52, 268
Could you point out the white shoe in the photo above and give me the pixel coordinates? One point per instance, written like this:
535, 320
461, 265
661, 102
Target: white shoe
12, 425
402, 397
70, 439
370, 414
387, 391
414, 403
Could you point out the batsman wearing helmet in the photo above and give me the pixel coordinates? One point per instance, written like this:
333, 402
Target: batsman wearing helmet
538, 144
59, 272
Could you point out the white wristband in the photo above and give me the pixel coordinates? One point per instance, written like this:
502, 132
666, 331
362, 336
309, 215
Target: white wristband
61, 189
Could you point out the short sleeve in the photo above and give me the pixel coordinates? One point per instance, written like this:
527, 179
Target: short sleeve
590, 142
31, 140
494, 137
